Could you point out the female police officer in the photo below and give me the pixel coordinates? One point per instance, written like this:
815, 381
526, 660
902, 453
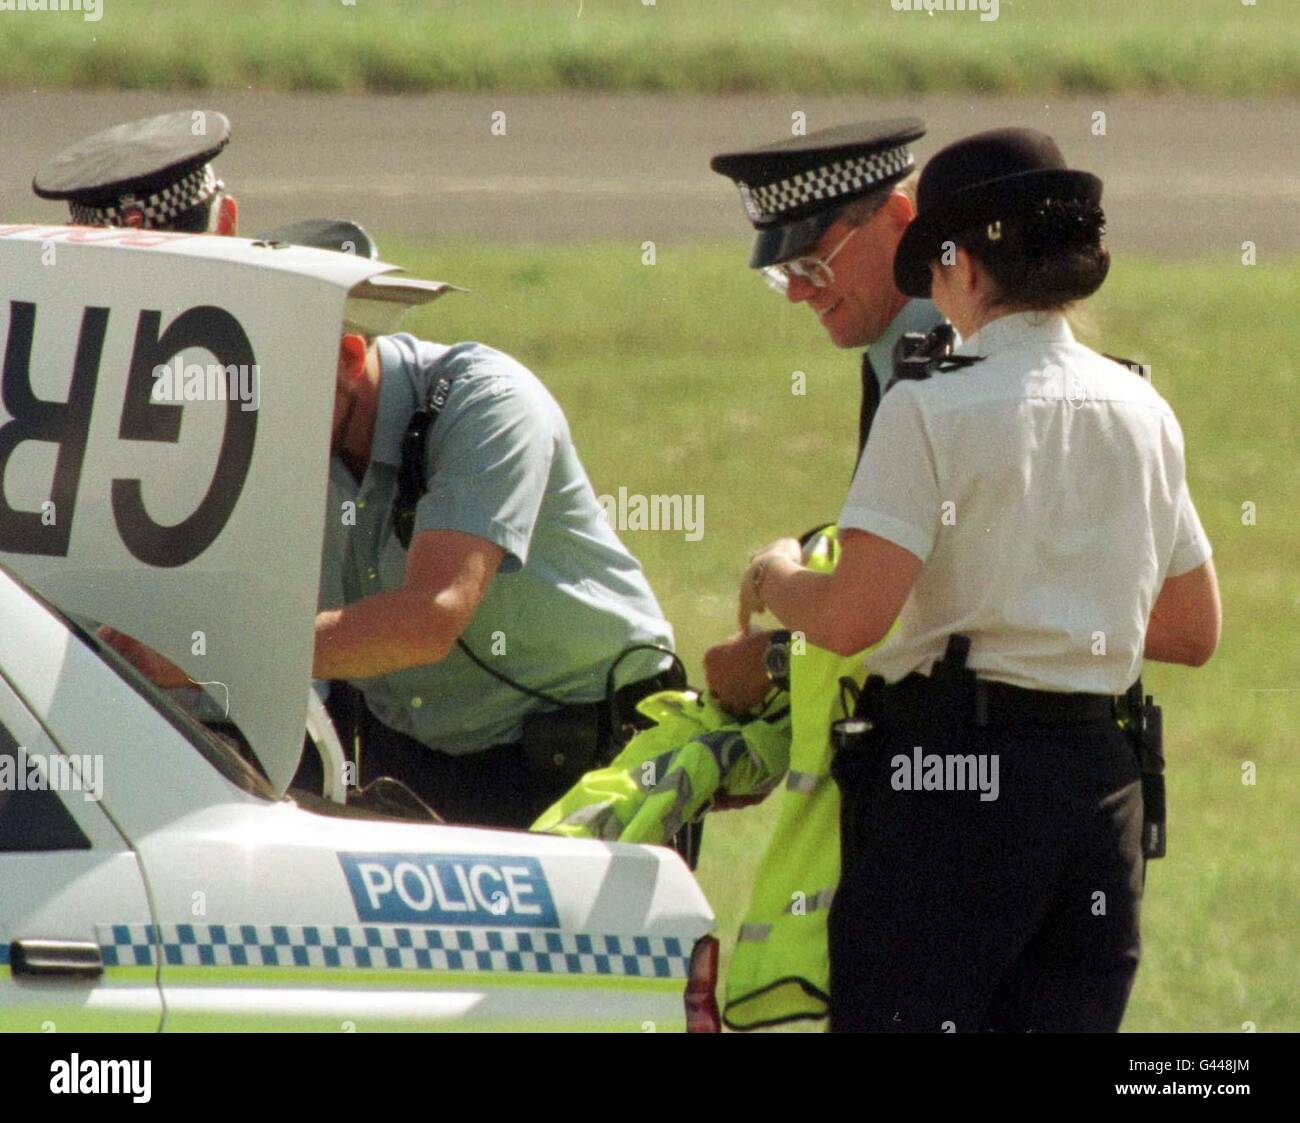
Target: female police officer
1029, 496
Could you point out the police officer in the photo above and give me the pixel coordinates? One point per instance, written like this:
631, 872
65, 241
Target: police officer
152, 174
829, 209
472, 588
1024, 514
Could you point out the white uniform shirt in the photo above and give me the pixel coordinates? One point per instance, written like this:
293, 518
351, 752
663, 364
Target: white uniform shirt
1044, 489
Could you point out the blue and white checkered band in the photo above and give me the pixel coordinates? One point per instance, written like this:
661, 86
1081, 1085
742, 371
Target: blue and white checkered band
155, 210
830, 181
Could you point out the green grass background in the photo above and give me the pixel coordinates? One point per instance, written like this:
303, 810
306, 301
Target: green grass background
719, 46
676, 378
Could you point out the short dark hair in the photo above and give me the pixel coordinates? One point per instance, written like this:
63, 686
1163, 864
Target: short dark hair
193, 221
1045, 259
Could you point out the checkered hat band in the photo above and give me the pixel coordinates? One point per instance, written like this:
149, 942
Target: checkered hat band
843, 177
158, 209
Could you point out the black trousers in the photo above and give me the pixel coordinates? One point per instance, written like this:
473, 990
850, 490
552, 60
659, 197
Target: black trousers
495, 787
1020, 913
490, 788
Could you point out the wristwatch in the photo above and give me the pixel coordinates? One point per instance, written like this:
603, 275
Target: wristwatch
776, 659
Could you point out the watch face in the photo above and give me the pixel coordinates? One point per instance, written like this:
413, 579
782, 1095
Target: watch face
777, 660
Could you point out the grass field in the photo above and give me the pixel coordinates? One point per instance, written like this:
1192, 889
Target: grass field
676, 378
822, 47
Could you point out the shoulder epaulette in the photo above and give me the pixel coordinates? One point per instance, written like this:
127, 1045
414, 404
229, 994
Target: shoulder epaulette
1142, 370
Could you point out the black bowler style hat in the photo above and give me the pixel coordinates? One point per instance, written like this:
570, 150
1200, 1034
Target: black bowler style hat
793, 190
977, 181
144, 173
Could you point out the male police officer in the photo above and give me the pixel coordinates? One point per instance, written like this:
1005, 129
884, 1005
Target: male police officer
473, 589
830, 209
152, 174
484, 645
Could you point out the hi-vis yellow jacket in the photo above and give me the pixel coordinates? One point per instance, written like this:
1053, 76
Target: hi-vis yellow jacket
669, 774
781, 970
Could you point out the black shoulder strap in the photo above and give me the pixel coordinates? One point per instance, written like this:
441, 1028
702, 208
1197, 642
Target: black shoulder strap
870, 403
412, 480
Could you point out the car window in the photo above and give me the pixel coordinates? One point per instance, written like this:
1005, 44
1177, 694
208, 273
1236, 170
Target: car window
31, 816
224, 758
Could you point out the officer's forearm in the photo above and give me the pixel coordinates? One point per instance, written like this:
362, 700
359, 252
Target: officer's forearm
821, 607
385, 632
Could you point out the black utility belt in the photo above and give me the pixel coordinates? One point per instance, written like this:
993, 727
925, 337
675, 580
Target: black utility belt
583, 735
996, 704
952, 699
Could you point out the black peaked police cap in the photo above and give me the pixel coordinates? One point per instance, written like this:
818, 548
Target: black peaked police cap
144, 173
793, 190
979, 180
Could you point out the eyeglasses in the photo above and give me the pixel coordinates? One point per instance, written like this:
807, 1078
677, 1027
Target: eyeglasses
815, 270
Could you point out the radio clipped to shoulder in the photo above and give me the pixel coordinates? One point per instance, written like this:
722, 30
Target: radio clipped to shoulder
917, 356
412, 480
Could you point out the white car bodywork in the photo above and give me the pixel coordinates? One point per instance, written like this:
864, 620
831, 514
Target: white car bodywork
153, 880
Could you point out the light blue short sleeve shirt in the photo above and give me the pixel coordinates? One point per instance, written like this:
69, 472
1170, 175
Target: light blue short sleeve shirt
501, 465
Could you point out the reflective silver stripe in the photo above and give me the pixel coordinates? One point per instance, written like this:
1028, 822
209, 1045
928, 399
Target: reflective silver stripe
679, 783
598, 819
726, 748
802, 781
754, 933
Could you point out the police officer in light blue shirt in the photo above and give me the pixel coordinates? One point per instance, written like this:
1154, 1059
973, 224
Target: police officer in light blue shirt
500, 650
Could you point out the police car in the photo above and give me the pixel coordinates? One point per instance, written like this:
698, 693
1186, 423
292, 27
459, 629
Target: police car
152, 877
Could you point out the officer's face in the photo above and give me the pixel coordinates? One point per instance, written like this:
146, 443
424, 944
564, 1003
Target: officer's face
348, 380
861, 300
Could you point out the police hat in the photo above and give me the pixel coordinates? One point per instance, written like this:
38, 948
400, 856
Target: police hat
793, 190
339, 234
977, 181
144, 174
